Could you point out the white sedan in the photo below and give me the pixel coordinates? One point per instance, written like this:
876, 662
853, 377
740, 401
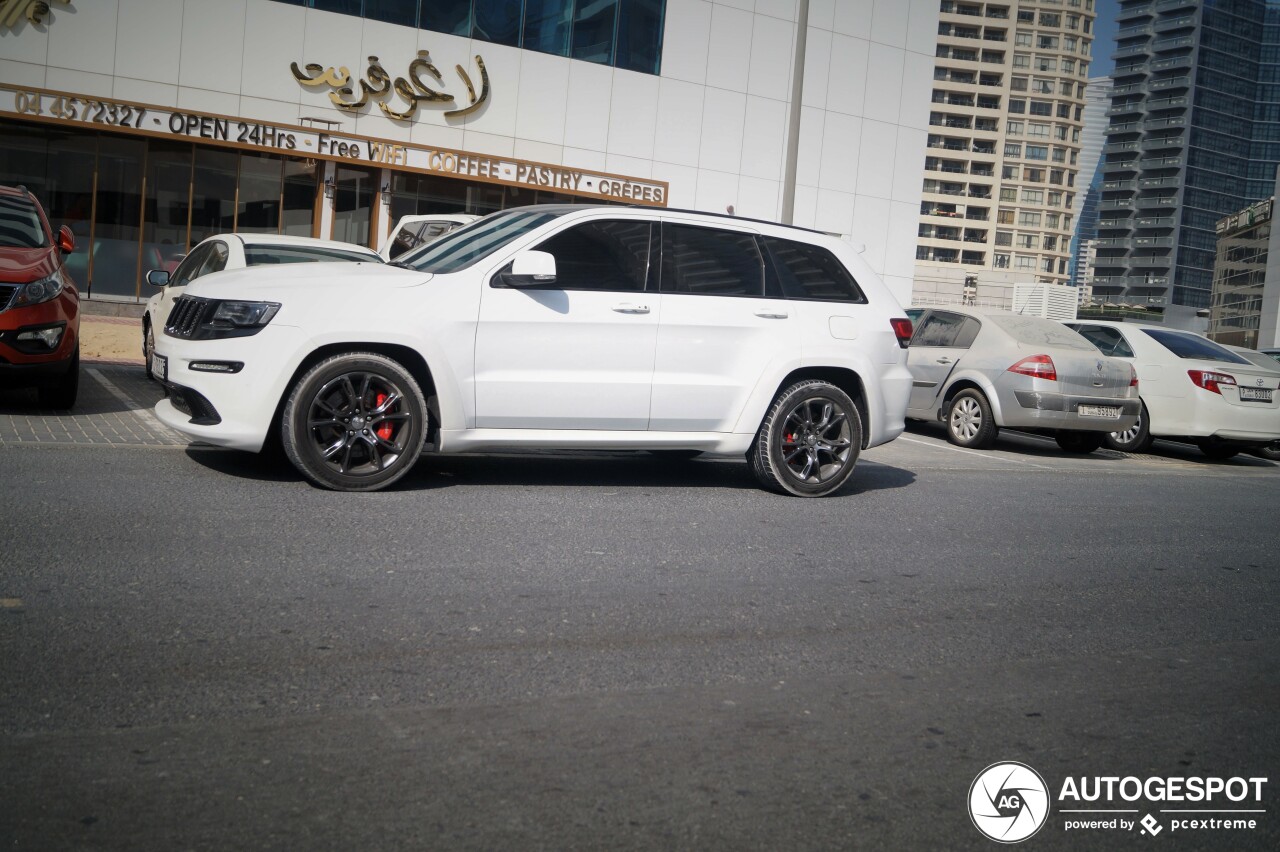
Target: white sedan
1192, 389
236, 251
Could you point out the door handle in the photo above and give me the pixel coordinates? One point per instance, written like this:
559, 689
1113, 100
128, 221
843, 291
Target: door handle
626, 308
772, 314
944, 360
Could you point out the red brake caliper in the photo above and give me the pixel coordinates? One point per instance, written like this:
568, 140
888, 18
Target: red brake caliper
384, 431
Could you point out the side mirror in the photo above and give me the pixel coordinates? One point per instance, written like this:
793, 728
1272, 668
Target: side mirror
66, 240
530, 269
157, 277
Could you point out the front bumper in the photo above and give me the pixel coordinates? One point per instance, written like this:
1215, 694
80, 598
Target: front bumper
22, 364
232, 410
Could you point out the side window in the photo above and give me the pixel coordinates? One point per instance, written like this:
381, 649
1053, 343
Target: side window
711, 262
217, 260
406, 238
189, 267
606, 255
807, 271
941, 328
1108, 340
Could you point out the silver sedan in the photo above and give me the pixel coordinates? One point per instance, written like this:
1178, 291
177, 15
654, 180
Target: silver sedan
978, 371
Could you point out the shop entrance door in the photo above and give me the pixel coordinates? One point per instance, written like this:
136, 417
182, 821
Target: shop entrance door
353, 205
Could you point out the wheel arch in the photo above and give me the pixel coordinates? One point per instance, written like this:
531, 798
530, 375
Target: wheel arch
842, 377
406, 355
972, 383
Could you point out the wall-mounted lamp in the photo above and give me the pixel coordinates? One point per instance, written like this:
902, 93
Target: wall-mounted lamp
328, 187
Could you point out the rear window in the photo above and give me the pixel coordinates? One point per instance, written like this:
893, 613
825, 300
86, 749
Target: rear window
807, 271
1038, 331
1192, 346
262, 255
20, 224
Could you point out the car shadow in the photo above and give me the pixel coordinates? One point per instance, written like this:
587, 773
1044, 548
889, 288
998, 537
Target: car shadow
1028, 444
551, 469
99, 385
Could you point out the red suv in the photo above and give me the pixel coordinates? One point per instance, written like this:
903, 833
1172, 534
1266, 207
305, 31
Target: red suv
39, 303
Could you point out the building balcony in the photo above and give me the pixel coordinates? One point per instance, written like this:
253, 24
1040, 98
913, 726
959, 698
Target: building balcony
1131, 50
1133, 12
1154, 163
1171, 121
1127, 108
1158, 143
1128, 89
1169, 83
1171, 62
1115, 204
1155, 222
1118, 185
1112, 242
1110, 225
1143, 29
1179, 102
1152, 242
1173, 42
1156, 201
1164, 25
1124, 128
1159, 182
1120, 147
1151, 262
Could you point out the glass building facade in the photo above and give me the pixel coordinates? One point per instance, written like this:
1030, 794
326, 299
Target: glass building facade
1194, 134
624, 34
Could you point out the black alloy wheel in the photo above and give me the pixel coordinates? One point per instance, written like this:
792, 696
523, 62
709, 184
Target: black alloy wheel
148, 348
355, 422
1217, 450
809, 441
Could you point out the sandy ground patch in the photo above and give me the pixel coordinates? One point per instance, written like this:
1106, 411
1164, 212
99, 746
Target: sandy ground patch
111, 339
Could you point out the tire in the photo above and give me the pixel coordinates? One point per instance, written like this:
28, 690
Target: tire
1271, 452
354, 422
148, 347
1079, 442
1217, 450
970, 423
61, 395
1135, 439
808, 442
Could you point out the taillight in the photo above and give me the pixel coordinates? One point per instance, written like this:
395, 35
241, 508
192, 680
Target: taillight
1133, 377
1209, 380
1036, 366
902, 330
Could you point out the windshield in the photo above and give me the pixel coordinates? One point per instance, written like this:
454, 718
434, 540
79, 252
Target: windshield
1191, 346
467, 245
19, 224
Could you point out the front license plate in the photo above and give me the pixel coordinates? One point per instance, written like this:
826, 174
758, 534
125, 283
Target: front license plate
160, 367
1110, 411
1259, 394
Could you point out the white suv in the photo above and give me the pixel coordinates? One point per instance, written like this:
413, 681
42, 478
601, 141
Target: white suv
566, 327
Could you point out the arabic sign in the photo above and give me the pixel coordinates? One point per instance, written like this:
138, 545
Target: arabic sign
149, 120
1254, 214
377, 84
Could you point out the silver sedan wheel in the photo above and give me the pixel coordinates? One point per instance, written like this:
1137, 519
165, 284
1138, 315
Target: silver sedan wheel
966, 418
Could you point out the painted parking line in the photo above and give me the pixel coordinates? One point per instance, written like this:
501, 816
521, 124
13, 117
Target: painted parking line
143, 413
987, 455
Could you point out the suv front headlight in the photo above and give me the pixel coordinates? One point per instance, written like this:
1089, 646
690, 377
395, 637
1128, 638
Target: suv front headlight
196, 318
35, 292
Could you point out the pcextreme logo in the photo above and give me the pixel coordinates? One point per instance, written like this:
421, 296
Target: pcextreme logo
1009, 802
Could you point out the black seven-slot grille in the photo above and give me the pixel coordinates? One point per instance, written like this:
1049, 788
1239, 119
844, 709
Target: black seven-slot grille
188, 313
6, 294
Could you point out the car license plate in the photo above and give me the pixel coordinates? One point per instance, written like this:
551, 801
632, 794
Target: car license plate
1111, 411
1259, 394
160, 367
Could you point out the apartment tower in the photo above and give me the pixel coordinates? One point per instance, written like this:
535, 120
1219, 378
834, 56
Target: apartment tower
1194, 135
1001, 166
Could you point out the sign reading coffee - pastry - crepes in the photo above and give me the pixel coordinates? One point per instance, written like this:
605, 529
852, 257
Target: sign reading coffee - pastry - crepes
310, 142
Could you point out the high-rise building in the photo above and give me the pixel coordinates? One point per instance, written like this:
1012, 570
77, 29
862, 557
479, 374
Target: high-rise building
1004, 139
1194, 136
1097, 100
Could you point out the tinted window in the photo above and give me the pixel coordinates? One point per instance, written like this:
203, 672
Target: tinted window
941, 328
460, 249
259, 255
216, 261
610, 255
190, 266
1191, 346
20, 224
711, 262
808, 272
1108, 340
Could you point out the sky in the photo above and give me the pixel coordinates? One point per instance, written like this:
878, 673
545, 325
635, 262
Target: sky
1104, 41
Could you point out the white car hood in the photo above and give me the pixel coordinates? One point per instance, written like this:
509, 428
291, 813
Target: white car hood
316, 282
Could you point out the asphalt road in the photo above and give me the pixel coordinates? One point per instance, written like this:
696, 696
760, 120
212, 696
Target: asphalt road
200, 651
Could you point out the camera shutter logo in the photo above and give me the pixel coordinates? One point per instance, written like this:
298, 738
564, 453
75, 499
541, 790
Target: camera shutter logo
1008, 802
